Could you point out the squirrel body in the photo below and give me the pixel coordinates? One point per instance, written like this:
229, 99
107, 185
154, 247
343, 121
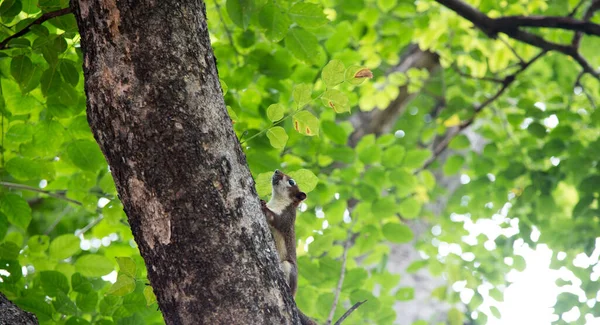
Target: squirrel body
281, 217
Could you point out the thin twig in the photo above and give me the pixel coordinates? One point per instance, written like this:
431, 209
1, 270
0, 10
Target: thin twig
508, 80
466, 75
347, 313
589, 13
493, 26
227, 32
39, 21
512, 49
34, 189
583, 90
89, 226
347, 244
57, 220
574, 11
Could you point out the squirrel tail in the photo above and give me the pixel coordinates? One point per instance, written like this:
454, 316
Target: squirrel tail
305, 320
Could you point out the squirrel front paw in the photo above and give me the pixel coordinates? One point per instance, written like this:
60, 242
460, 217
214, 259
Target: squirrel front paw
263, 205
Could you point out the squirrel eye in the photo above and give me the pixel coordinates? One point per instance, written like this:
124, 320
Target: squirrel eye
292, 182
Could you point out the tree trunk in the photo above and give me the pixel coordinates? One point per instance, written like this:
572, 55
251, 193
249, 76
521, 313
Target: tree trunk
156, 108
10, 314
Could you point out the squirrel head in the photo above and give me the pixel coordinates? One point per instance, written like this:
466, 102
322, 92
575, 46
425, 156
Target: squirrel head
285, 189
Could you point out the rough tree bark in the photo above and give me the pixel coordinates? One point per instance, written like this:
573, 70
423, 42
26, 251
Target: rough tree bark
156, 108
10, 314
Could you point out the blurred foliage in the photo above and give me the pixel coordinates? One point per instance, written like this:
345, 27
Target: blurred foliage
292, 74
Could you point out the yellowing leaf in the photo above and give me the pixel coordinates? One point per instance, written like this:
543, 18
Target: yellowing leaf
453, 120
337, 100
306, 123
124, 285
333, 73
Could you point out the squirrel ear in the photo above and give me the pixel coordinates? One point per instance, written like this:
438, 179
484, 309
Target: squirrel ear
301, 196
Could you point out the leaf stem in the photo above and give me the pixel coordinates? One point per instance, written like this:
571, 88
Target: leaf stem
38, 190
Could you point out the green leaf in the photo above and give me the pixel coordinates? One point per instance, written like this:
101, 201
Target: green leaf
127, 266
54, 283
308, 15
404, 181
85, 154
416, 266
306, 180
18, 133
537, 130
9, 251
337, 100
303, 45
23, 168
17, 103
393, 156
397, 233
240, 11
64, 246
369, 155
495, 312
453, 164
21, 69
455, 317
274, 21
109, 304
405, 294
38, 243
302, 94
36, 304
409, 208
275, 112
263, 184
277, 137
497, 294
384, 208
519, 263
134, 302
125, 284
3, 225
334, 132
80, 284
64, 305
69, 72
306, 123
87, 302
416, 158
333, 73
386, 5
93, 265
149, 295
51, 81
16, 210
460, 142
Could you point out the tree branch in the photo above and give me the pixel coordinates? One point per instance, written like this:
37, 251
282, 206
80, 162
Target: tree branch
347, 244
39, 21
589, 13
508, 80
34, 189
510, 22
492, 27
347, 313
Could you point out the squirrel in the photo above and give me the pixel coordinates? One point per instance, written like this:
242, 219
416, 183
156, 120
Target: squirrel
281, 216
